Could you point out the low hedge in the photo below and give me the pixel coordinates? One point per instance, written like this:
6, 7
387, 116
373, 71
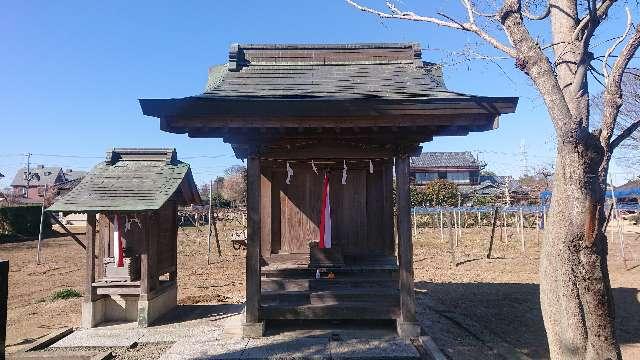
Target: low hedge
21, 221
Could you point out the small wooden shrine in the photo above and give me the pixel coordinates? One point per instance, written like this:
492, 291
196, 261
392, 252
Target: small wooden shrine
131, 204
353, 114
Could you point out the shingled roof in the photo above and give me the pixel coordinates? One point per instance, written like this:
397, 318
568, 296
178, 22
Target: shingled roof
132, 180
40, 176
382, 94
456, 159
327, 71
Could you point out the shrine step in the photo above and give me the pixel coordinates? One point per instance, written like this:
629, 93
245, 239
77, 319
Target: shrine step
288, 284
381, 295
340, 273
340, 310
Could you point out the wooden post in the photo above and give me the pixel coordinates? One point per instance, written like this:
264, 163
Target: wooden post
452, 231
415, 222
493, 231
479, 225
154, 281
504, 224
441, 227
537, 228
522, 230
144, 255
90, 294
407, 324
4, 296
42, 219
210, 222
455, 227
265, 209
252, 305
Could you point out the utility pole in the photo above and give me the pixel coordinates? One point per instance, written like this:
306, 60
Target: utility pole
27, 176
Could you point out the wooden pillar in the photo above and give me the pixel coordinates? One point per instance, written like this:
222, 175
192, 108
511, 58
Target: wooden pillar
265, 209
4, 296
253, 326
90, 275
154, 282
407, 324
145, 259
173, 233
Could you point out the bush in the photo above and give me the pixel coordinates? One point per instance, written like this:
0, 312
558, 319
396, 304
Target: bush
65, 294
21, 221
435, 193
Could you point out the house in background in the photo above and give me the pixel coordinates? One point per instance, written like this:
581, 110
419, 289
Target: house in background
459, 167
463, 169
30, 185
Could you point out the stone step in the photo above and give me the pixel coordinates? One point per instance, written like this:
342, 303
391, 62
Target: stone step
339, 310
382, 295
340, 273
287, 284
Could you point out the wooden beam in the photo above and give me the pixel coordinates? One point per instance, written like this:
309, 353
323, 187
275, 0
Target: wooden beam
90, 294
405, 245
73, 236
252, 305
337, 121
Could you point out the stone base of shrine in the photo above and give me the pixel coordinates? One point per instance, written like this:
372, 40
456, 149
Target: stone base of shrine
143, 309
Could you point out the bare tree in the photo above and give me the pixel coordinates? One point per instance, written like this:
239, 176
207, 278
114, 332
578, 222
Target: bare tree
575, 292
629, 114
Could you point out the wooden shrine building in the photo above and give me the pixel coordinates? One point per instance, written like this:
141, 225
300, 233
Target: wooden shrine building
298, 112
131, 204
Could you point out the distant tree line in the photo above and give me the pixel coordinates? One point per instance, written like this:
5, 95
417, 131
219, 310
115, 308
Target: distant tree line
229, 190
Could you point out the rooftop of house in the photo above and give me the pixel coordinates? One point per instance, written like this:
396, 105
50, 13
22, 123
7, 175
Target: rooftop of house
45, 175
40, 176
455, 159
132, 180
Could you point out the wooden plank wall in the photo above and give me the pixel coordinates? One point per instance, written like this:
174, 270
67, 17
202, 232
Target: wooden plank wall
362, 209
163, 232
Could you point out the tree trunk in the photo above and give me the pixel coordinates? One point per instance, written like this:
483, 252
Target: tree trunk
575, 292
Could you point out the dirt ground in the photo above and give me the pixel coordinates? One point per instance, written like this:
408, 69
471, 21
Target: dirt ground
472, 310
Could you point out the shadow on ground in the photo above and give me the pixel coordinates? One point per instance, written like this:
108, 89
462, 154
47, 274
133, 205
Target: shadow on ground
490, 313
213, 312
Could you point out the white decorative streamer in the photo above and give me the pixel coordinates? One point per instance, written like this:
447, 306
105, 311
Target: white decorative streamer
344, 172
370, 167
289, 173
313, 166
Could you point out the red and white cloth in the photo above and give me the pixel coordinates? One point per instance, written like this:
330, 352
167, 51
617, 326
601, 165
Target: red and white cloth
117, 243
325, 216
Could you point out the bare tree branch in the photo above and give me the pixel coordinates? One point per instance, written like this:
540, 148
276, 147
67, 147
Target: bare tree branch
469, 25
613, 90
593, 17
624, 134
613, 47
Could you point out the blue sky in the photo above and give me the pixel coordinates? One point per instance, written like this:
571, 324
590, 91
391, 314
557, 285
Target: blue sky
71, 73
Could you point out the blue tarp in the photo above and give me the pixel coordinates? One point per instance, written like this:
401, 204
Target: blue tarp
618, 193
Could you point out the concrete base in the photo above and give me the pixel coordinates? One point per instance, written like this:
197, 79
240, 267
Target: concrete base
253, 330
408, 329
129, 308
92, 313
151, 310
